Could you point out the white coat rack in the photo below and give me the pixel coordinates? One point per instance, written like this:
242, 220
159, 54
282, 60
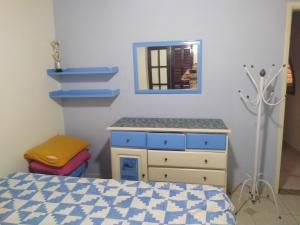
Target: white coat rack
263, 88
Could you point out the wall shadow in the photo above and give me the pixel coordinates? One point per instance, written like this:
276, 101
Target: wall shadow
85, 78
104, 161
87, 102
231, 167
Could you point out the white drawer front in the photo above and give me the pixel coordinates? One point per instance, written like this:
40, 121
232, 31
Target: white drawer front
212, 160
211, 177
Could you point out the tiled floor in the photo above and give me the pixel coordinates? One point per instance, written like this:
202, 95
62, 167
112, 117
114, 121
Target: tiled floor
290, 169
263, 211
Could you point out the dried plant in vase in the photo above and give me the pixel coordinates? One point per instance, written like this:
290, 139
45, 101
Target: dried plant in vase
56, 55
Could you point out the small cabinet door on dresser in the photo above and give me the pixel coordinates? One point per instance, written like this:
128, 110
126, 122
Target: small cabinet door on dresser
129, 163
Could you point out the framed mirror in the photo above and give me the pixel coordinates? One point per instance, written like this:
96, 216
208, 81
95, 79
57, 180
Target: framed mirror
169, 67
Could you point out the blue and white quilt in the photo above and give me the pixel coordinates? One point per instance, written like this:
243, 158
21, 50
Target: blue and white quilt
27, 198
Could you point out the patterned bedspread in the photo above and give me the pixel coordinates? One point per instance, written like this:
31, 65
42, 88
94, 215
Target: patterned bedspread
27, 198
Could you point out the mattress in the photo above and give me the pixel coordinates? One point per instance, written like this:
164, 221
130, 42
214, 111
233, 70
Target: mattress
27, 198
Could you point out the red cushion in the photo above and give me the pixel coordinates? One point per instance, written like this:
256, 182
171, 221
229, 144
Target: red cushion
76, 161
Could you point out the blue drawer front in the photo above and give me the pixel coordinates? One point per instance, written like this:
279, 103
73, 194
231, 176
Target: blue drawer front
166, 141
206, 141
128, 139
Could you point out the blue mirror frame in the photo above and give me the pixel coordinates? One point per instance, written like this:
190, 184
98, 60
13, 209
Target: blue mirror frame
196, 90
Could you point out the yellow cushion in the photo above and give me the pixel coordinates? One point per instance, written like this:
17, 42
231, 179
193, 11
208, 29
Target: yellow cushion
57, 151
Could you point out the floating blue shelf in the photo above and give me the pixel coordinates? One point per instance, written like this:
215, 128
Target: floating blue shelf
85, 71
85, 93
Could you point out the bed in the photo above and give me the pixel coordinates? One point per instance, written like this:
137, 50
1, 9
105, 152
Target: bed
27, 198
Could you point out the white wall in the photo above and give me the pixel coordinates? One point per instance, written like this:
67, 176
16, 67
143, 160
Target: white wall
292, 113
27, 115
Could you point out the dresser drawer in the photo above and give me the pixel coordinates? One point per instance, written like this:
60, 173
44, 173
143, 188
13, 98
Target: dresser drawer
211, 177
206, 141
128, 139
199, 159
172, 141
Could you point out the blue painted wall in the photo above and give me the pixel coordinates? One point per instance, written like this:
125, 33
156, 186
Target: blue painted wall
234, 32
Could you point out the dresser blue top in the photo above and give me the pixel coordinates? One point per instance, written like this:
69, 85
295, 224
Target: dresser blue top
180, 124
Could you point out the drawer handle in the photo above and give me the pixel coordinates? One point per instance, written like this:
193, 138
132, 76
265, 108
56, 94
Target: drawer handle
165, 142
166, 175
166, 159
127, 140
205, 142
204, 178
205, 161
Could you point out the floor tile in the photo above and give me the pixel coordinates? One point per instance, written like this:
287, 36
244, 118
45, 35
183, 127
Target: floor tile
235, 196
243, 218
264, 204
292, 202
263, 218
298, 219
290, 168
263, 211
267, 205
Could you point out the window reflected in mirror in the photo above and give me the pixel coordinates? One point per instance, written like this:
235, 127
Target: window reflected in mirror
161, 67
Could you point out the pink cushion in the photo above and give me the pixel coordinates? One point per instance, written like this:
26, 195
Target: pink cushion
66, 169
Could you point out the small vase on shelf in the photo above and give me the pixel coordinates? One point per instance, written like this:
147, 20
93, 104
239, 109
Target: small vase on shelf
57, 66
56, 55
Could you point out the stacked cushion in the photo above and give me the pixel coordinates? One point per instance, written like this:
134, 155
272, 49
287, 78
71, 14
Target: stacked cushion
57, 151
79, 170
60, 155
71, 165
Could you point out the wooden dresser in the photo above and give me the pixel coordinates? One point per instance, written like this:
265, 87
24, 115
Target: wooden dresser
170, 149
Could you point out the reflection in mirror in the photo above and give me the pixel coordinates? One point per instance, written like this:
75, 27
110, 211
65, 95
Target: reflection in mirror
167, 67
